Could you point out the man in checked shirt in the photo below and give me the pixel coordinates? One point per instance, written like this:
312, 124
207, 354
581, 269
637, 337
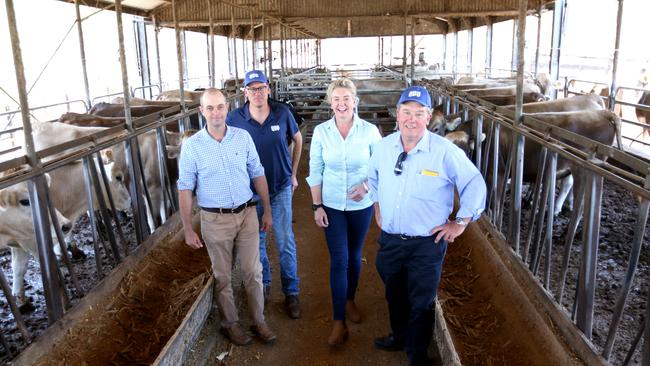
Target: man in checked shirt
219, 162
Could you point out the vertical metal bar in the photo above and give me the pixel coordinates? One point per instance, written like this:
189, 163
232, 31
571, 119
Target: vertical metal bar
103, 210
185, 125
612, 88
111, 202
143, 55
548, 239
230, 58
518, 151
270, 74
444, 51
412, 49
478, 135
282, 70
494, 181
253, 43
539, 37
514, 56
635, 253
82, 52
51, 282
470, 46
554, 66
211, 36
14, 308
570, 231
157, 30
136, 198
588, 269
93, 220
455, 55
534, 226
488, 47
404, 48
233, 34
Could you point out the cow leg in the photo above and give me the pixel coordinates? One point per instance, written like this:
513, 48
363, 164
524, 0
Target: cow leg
565, 188
19, 260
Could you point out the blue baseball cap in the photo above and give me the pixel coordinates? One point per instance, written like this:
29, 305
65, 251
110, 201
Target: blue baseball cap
416, 94
255, 76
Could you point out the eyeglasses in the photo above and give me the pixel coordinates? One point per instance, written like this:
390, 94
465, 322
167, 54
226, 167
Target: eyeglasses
258, 90
398, 165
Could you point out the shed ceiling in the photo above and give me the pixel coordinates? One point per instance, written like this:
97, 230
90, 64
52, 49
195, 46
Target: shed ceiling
292, 19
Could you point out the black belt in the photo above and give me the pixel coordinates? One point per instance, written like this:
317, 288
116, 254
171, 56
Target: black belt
407, 237
235, 210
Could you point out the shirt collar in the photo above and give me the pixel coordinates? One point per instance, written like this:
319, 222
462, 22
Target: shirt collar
247, 112
422, 145
356, 122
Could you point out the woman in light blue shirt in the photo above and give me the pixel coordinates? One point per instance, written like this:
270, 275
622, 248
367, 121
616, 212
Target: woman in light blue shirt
338, 170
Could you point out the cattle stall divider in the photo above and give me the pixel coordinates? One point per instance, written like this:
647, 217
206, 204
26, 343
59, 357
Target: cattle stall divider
587, 156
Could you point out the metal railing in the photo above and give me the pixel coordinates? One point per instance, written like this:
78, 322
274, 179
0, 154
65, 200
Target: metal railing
587, 159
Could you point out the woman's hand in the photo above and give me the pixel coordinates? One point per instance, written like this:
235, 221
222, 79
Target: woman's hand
321, 218
357, 192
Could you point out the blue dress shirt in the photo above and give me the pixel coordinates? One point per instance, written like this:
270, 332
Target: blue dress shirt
338, 165
222, 171
422, 197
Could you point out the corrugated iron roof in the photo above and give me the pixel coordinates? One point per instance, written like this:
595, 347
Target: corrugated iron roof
322, 19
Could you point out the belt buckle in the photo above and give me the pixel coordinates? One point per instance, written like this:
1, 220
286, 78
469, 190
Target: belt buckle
403, 237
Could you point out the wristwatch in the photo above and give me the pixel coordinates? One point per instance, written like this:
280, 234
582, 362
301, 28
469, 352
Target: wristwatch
460, 221
315, 207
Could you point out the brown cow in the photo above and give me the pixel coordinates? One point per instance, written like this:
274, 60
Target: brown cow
117, 110
643, 115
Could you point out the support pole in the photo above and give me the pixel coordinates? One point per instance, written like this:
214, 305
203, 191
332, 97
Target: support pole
614, 86
82, 52
143, 56
518, 151
470, 46
455, 56
412, 49
211, 51
404, 48
179, 58
157, 30
539, 36
233, 34
282, 71
488, 47
556, 43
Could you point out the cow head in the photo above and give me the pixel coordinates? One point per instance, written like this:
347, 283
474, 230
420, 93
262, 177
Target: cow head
16, 222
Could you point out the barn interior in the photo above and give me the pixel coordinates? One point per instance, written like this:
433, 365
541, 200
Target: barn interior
504, 299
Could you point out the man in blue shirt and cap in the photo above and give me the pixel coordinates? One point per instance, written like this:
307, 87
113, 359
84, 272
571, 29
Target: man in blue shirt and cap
270, 123
412, 176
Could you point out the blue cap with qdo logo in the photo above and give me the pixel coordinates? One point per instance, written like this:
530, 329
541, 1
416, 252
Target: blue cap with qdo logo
416, 94
255, 76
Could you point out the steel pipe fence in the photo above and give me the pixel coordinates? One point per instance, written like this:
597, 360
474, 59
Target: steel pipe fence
593, 164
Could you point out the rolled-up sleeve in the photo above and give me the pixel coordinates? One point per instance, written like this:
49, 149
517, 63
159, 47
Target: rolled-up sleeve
187, 169
253, 164
470, 184
316, 164
373, 173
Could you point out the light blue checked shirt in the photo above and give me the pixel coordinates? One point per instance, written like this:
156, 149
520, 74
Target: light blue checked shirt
222, 171
339, 164
422, 197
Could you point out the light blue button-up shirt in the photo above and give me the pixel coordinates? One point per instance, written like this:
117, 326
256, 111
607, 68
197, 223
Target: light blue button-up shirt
422, 197
338, 165
222, 171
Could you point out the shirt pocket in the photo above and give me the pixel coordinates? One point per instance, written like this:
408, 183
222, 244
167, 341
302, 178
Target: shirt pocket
430, 188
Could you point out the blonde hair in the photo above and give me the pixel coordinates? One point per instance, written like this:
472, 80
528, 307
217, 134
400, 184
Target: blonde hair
341, 83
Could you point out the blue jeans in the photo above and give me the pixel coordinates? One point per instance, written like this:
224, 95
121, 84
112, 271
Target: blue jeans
345, 235
284, 240
411, 272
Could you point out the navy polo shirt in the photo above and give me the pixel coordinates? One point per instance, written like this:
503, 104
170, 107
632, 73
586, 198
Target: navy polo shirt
271, 141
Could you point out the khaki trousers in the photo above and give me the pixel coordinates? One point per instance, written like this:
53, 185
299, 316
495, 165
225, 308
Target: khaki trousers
221, 234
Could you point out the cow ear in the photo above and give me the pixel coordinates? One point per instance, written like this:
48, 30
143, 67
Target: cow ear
453, 125
107, 156
173, 151
8, 198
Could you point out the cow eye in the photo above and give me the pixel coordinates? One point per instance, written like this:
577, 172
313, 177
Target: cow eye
119, 178
24, 202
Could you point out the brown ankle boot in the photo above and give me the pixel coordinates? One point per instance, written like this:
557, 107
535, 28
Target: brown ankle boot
352, 313
339, 333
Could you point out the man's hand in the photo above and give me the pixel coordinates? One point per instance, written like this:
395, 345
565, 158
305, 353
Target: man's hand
294, 183
320, 216
267, 221
448, 231
192, 239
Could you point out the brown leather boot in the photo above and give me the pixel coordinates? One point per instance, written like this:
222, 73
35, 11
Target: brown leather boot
237, 335
339, 333
264, 333
352, 312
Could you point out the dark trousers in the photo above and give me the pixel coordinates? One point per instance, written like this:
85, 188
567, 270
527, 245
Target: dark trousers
345, 235
411, 272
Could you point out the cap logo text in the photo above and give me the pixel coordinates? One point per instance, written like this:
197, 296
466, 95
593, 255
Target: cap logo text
414, 93
253, 75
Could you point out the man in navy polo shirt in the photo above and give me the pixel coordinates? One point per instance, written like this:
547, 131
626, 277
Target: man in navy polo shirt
270, 123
